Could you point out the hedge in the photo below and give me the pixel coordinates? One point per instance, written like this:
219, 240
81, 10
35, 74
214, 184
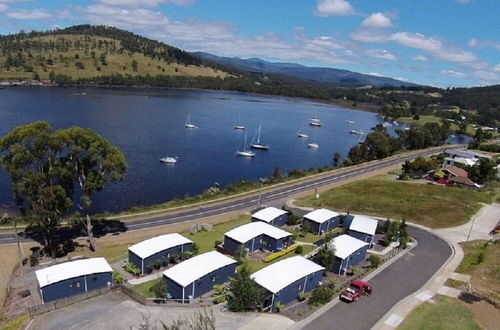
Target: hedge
281, 253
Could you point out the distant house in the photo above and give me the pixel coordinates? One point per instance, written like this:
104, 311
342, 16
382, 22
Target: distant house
284, 280
362, 228
349, 251
271, 215
73, 277
464, 157
321, 220
256, 235
157, 248
452, 176
197, 276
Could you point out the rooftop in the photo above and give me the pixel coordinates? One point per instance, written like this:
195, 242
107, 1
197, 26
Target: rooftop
157, 244
321, 215
192, 269
364, 225
71, 269
250, 230
346, 245
465, 153
268, 214
279, 275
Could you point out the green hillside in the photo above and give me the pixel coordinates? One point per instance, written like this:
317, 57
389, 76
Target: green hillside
90, 51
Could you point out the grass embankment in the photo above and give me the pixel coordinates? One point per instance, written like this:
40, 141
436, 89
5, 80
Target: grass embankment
429, 205
43, 61
16, 324
443, 313
424, 119
482, 261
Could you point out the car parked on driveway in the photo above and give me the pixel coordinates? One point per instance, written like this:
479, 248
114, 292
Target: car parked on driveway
356, 289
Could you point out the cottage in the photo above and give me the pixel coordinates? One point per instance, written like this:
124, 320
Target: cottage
272, 216
284, 280
349, 251
72, 278
464, 157
197, 276
256, 235
452, 176
321, 220
362, 228
160, 248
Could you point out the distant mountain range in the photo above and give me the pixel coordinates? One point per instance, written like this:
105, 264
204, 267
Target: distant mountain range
328, 77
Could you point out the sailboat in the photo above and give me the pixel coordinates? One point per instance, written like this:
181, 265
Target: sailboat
258, 145
239, 126
315, 122
188, 122
313, 146
302, 135
168, 160
245, 152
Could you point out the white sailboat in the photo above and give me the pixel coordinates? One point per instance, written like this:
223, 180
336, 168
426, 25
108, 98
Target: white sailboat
313, 146
350, 121
188, 123
258, 145
245, 152
300, 134
168, 160
315, 122
239, 126
353, 131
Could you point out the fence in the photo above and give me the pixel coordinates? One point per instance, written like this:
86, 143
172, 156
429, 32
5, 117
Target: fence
50, 306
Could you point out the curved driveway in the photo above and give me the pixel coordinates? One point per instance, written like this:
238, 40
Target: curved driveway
402, 278
238, 204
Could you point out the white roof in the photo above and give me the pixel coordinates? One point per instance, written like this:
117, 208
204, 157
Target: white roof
154, 245
192, 269
246, 232
268, 214
279, 275
71, 269
461, 160
364, 225
346, 245
320, 215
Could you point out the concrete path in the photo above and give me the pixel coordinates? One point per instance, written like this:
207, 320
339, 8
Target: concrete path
146, 278
479, 227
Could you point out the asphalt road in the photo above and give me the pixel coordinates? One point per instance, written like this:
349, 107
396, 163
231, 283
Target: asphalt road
400, 279
233, 205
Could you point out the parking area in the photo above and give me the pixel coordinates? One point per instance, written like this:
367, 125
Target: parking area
117, 311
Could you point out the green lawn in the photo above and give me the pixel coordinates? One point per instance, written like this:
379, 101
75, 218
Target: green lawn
206, 239
256, 265
485, 274
16, 324
429, 205
445, 313
143, 289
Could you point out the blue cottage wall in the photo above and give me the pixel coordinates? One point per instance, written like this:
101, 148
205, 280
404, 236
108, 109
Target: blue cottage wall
136, 260
355, 258
201, 285
292, 291
361, 236
74, 286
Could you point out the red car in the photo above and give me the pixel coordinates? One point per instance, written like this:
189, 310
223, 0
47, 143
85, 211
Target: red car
356, 289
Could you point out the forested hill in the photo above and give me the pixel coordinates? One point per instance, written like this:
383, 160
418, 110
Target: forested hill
86, 51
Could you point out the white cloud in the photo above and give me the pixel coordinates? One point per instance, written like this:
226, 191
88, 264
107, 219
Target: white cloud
475, 43
381, 53
334, 8
497, 67
454, 74
377, 20
3, 7
29, 14
486, 77
144, 3
369, 35
420, 58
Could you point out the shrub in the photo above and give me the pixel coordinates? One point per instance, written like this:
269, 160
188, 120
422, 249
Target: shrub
292, 219
299, 249
217, 243
480, 258
304, 295
279, 306
281, 253
219, 299
158, 288
33, 261
320, 296
117, 277
132, 269
374, 260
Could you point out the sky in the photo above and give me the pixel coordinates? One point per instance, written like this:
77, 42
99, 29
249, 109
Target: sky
434, 42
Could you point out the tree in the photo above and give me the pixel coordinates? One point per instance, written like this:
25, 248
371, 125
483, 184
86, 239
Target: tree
40, 182
92, 162
244, 293
134, 65
158, 288
326, 256
277, 173
336, 158
374, 260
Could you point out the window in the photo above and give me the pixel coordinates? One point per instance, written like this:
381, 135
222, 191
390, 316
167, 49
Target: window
299, 287
75, 285
214, 278
94, 278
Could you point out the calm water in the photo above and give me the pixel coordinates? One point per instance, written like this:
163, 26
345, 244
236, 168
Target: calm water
148, 124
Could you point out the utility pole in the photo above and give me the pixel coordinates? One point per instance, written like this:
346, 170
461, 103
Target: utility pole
260, 192
19, 250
